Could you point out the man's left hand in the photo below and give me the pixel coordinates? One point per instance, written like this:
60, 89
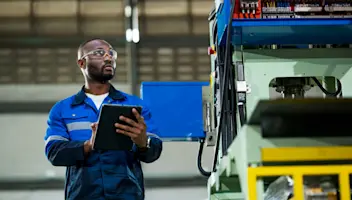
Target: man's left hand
137, 131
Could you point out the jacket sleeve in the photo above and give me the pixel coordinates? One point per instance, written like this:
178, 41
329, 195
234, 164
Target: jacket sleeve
156, 144
58, 148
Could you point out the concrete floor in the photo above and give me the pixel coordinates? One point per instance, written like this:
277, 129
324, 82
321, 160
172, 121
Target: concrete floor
196, 193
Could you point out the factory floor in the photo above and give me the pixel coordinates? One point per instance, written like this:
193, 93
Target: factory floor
190, 193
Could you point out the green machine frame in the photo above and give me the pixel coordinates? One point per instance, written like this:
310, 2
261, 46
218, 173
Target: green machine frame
261, 66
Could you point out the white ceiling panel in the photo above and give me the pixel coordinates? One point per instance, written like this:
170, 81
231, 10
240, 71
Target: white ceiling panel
14, 8
172, 26
62, 8
166, 8
103, 26
202, 8
101, 8
54, 26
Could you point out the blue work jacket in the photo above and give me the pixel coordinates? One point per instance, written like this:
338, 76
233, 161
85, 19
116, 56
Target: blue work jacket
102, 175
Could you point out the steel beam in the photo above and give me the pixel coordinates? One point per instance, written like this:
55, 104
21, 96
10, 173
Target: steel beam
175, 41
131, 47
75, 41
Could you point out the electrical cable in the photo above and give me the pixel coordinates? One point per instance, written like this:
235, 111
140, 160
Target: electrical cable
233, 102
230, 107
224, 86
226, 128
331, 94
199, 160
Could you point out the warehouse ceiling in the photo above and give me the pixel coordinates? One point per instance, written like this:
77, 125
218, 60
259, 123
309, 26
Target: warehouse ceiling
92, 17
39, 38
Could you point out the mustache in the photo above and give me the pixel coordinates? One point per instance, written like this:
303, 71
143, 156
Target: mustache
108, 64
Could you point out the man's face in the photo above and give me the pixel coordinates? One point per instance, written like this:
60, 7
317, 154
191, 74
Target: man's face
98, 62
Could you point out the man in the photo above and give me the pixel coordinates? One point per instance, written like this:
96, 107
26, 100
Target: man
92, 174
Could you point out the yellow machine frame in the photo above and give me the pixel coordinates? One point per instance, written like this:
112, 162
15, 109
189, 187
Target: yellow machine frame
297, 172
287, 154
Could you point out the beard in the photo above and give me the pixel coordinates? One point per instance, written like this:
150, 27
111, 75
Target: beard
99, 76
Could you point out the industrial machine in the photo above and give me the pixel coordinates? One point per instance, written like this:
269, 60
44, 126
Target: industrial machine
278, 104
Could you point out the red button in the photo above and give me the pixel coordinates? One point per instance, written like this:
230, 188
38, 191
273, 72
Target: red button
211, 51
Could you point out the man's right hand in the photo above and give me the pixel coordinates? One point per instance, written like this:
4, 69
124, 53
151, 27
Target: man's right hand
88, 145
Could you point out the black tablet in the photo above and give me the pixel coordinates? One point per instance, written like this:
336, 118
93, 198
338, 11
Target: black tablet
106, 137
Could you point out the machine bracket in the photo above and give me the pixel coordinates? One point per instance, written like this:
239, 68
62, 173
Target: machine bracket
208, 118
242, 86
242, 89
210, 139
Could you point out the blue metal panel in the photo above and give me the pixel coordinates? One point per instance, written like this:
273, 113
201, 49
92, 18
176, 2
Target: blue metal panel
284, 31
222, 20
176, 108
292, 31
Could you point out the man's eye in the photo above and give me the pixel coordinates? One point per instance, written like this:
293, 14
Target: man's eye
99, 53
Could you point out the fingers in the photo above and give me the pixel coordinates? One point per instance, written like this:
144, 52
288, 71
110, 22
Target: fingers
94, 126
129, 121
138, 116
139, 125
127, 133
130, 129
90, 144
133, 129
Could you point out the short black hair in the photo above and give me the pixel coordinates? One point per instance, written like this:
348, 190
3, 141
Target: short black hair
81, 46
87, 41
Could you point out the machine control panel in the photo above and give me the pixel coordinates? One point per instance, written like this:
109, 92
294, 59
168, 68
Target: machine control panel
268, 9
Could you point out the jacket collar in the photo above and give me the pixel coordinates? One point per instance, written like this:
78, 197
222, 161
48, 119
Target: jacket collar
113, 93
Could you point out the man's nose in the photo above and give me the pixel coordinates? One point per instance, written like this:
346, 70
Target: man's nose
107, 56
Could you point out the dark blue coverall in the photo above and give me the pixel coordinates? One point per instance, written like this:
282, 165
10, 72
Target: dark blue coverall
103, 175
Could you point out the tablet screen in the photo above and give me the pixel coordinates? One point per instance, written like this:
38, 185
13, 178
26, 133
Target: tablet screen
106, 137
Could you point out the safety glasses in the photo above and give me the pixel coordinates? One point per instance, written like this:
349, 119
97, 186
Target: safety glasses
100, 53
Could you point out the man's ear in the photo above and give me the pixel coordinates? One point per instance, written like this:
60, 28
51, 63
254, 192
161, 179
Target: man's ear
81, 63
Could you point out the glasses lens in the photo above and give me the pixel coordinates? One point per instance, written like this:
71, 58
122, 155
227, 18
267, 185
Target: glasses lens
102, 53
113, 53
99, 52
